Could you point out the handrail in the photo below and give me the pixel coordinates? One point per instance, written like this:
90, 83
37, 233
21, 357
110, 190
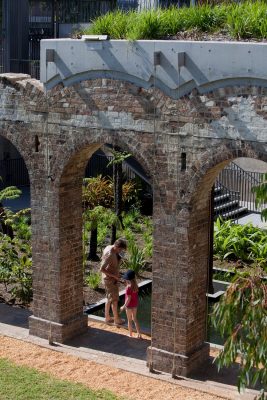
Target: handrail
236, 178
234, 166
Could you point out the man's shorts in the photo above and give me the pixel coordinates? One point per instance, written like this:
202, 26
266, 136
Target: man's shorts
112, 291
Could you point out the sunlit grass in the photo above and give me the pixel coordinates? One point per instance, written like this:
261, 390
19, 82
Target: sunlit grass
22, 383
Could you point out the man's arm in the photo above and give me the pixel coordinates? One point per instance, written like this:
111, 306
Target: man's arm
104, 268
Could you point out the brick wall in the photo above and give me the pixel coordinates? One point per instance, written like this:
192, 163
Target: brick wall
161, 133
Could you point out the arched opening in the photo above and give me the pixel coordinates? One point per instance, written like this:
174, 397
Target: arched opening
236, 218
15, 227
206, 206
62, 313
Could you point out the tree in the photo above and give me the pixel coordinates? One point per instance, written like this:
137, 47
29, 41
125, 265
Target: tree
97, 195
241, 318
94, 217
261, 196
117, 160
8, 193
99, 192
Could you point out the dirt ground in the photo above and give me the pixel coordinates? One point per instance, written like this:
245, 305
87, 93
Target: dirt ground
95, 376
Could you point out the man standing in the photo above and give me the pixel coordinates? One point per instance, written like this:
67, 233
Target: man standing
110, 267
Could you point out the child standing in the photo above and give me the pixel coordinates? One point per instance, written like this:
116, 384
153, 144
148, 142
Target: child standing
131, 302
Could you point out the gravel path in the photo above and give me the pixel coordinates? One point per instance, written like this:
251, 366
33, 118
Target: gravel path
93, 375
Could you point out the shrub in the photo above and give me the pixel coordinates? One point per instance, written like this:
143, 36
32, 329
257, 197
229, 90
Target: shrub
93, 280
136, 259
16, 267
241, 20
240, 242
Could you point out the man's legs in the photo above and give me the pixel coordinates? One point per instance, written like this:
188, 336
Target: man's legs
107, 311
112, 291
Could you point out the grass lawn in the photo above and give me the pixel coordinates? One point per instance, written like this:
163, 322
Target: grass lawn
22, 383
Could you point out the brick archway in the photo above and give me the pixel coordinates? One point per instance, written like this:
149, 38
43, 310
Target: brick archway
60, 314
182, 142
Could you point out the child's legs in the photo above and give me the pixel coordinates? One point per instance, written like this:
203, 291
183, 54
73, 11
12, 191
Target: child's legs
134, 316
129, 314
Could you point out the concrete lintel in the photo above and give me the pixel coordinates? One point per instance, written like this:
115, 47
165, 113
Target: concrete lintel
205, 65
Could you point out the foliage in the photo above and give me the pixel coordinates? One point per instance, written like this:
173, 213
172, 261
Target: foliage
118, 157
136, 259
20, 383
241, 317
93, 280
248, 20
99, 214
241, 20
15, 251
261, 196
92, 219
16, 264
98, 191
240, 242
20, 223
9, 193
148, 237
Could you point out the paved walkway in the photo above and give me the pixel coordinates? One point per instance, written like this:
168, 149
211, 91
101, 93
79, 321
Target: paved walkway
125, 353
254, 219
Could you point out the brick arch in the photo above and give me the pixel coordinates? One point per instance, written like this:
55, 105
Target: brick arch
15, 137
204, 171
194, 217
82, 148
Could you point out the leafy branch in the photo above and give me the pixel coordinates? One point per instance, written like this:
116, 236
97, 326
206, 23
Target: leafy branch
241, 317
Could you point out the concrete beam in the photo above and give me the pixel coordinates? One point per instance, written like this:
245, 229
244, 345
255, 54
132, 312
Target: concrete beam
205, 65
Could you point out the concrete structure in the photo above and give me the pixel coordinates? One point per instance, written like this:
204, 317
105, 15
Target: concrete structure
183, 110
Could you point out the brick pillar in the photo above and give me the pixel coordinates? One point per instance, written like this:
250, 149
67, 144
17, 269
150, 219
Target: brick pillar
180, 265
57, 256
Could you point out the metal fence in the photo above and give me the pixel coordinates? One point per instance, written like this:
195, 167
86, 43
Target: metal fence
14, 172
26, 22
238, 180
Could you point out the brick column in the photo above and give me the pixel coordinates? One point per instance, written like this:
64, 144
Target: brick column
57, 257
180, 262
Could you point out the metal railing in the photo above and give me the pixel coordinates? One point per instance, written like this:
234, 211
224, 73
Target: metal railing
226, 202
237, 179
44, 19
98, 165
14, 172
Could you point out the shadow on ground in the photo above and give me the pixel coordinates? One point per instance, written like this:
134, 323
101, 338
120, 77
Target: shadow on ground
14, 323
111, 342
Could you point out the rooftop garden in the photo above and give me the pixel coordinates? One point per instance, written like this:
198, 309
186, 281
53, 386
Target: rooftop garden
225, 21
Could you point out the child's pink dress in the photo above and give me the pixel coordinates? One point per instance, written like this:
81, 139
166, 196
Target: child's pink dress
134, 297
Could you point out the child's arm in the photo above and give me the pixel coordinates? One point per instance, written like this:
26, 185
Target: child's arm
126, 303
127, 299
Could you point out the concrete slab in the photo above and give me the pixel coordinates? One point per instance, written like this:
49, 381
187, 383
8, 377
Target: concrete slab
254, 219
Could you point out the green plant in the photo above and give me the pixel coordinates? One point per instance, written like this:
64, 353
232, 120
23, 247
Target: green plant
92, 218
248, 19
240, 20
261, 196
240, 242
93, 280
136, 259
241, 317
16, 267
148, 237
